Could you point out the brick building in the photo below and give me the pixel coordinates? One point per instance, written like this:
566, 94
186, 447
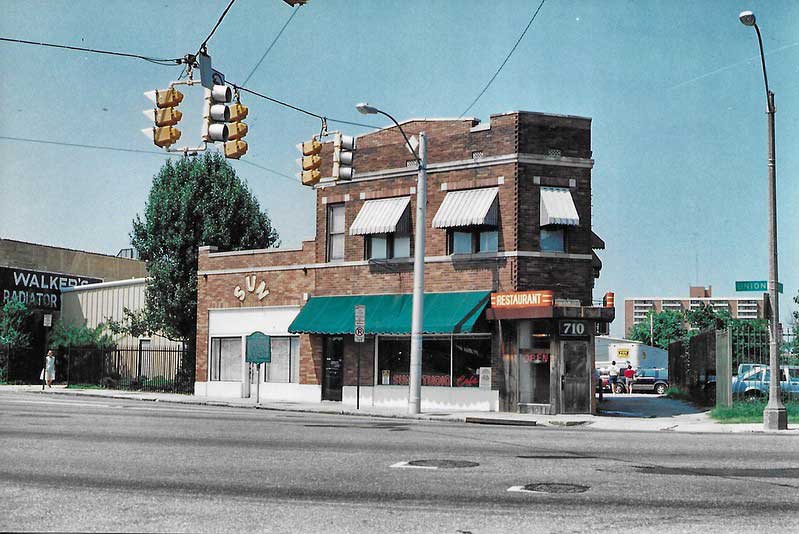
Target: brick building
509, 274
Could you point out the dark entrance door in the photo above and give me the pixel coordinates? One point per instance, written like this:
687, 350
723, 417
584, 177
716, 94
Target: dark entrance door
576, 378
333, 369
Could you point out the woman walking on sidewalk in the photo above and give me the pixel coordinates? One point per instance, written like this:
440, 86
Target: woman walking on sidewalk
49, 368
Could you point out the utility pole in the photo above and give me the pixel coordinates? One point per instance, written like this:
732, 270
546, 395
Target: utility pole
415, 379
775, 416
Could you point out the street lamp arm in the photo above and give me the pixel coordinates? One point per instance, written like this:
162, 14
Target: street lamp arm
407, 141
769, 98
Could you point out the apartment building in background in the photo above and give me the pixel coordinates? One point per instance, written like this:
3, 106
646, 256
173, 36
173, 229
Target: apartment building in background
636, 309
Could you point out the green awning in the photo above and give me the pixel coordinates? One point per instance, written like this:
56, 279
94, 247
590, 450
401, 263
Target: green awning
444, 313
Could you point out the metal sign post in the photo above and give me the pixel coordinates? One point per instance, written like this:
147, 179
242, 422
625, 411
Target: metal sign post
258, 351
360, 325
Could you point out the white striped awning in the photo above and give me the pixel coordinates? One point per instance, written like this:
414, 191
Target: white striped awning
557, 207
469, 207
382, 216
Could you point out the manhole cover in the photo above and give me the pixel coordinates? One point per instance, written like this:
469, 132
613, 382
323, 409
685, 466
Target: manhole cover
443, 464
555, 487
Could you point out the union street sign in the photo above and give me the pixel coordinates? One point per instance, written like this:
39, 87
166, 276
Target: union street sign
754, 285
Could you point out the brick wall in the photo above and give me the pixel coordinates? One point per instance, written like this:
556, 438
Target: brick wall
448, 141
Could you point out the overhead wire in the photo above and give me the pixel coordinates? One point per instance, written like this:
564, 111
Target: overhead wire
512, 50
301, 110
272, 44
159, 61
133, 150
218, 22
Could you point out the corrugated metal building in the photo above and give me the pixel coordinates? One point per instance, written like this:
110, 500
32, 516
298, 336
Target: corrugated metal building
93, 304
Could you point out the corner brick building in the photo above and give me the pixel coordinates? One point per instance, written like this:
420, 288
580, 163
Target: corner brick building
509, 274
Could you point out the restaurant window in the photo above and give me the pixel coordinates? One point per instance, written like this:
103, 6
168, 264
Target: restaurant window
387, 246
225, 361
285, 364
553, 239
446, 361
335, 232
471, 240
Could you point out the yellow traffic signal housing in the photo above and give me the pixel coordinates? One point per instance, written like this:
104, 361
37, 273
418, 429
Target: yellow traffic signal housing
311, 177
166, 136
167, 98
235, 149
236, 130
167, 117
311, 148
164, 116
238, 112
310, 163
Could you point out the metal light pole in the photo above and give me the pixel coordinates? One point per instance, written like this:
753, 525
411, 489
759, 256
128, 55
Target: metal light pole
415, 378
775, 417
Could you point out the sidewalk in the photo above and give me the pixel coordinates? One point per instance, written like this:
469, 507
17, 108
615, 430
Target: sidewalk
633, 413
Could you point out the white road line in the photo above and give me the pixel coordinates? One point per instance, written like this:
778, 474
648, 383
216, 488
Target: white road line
406, 465
521, 489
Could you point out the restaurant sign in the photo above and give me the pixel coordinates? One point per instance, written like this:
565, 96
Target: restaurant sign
39, 290
521, 299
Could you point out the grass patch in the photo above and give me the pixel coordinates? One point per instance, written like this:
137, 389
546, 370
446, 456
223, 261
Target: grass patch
751, 412
84, 386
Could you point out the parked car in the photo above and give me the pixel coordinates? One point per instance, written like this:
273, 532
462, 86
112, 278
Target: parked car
754, 384
651, 380
646, 380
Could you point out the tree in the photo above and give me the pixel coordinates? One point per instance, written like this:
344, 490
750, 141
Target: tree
707, 317
13, 315
194, 201
667, 327
66, 335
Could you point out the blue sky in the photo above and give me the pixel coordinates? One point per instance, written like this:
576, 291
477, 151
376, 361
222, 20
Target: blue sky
674, 88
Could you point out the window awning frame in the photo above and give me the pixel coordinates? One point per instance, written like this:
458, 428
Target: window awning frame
383, 216
468, 207
557, 207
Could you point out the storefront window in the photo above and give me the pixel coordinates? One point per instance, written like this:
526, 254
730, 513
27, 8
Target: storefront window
284, 366
225, 361
469, 354
446, 361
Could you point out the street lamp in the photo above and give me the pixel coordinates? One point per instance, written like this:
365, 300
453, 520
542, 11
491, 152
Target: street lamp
415, 378
775, 417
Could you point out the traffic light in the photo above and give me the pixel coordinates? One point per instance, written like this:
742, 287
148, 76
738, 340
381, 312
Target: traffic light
343, 149
217, 113
164, 116
236, 147
311, 161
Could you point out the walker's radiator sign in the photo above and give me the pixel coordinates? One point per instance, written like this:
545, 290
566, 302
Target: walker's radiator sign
38, 290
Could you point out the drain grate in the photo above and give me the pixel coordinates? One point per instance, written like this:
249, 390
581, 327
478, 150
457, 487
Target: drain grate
442, 464
550, 487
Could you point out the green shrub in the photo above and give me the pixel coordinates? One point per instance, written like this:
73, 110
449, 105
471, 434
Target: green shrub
676, 393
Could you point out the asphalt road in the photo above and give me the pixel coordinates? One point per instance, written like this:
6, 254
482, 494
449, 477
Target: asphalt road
78, 464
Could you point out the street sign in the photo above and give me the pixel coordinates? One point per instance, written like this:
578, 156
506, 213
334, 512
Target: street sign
360, 323
754, 285
259, 348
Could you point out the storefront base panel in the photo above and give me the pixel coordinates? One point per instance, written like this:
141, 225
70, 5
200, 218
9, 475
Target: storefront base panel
218, 389
433, 398
275, 391
539, 409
